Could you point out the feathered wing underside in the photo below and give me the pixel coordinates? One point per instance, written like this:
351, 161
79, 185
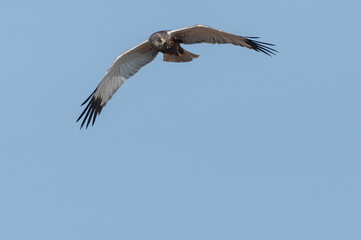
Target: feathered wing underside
124, 66
204, 34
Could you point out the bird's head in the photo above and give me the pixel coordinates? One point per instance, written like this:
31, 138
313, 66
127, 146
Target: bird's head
159, 40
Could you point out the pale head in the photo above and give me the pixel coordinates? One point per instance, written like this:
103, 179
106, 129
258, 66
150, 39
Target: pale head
159, 40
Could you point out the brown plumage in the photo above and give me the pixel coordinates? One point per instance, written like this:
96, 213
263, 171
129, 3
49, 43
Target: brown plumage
168, 43
171, 49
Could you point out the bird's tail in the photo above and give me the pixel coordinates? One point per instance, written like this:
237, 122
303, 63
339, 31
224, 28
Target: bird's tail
182, 56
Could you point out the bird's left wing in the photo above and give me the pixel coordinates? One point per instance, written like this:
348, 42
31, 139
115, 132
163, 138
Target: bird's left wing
205, 34
125, 66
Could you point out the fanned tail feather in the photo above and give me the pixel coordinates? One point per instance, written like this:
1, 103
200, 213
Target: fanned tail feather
183, 56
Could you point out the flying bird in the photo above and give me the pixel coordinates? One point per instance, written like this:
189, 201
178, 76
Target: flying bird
168, 43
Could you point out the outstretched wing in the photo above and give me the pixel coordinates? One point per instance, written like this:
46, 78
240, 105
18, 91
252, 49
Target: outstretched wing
205, 34
125, 66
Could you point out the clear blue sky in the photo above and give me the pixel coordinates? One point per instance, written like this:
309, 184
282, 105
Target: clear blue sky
234, 145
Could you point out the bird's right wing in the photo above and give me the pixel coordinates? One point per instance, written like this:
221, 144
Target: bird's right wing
124, 66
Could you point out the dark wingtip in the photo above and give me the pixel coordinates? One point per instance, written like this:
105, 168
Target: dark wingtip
91, 110
261, 46
88, 97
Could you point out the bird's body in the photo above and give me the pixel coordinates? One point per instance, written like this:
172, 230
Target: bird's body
168, 43
162, 42
172, 51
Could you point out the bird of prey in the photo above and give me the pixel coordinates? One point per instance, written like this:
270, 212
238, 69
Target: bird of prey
168, 43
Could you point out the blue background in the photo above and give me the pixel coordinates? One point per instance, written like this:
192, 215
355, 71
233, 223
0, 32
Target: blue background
234, 145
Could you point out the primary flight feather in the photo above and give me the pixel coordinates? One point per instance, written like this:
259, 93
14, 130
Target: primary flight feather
167, 42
